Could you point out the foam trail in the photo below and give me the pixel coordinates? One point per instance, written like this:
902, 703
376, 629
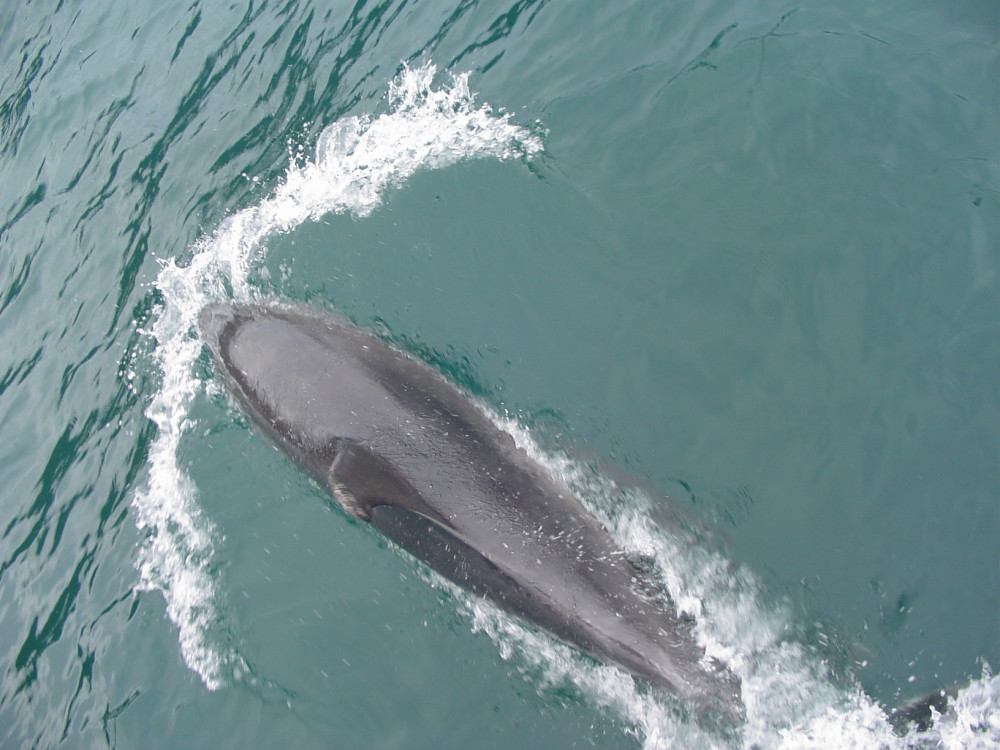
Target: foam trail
357, 160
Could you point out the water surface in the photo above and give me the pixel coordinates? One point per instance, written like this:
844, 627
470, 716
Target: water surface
731, 269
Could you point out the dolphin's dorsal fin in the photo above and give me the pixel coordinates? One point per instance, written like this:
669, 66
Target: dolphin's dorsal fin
360, 479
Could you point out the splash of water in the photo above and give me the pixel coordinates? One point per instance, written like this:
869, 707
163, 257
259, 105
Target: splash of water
357, 160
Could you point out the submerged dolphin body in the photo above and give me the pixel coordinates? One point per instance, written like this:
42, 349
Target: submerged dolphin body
401, 448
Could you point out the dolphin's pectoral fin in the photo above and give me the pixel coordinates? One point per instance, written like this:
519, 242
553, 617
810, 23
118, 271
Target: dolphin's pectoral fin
361, 479
346, 500
370, 489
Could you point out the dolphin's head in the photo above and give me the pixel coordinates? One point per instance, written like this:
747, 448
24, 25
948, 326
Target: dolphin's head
307, 381
269, 363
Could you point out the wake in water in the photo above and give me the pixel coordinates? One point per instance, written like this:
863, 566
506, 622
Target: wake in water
790, 700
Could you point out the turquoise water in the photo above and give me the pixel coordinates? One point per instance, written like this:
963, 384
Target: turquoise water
731, 269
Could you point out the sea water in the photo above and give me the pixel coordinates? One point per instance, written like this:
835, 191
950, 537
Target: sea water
728, 270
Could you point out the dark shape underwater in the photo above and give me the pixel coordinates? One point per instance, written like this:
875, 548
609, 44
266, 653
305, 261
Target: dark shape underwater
401, 448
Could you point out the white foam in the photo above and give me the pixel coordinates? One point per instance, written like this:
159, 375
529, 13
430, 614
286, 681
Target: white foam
973, 716
357, 160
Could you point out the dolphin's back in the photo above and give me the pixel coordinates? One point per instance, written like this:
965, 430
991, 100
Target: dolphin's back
400, 447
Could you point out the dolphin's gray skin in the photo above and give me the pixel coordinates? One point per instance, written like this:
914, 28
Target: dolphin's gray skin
401, 448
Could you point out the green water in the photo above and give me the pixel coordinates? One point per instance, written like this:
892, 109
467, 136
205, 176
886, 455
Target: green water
752, 271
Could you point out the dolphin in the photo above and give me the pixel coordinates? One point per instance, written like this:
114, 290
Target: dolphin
401, 448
